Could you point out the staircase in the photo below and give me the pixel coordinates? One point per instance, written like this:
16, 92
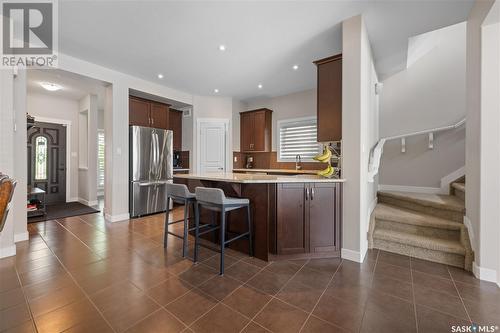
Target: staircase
425, 226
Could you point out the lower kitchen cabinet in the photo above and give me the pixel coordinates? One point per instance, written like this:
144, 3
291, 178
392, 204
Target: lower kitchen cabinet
291, 218
308, 218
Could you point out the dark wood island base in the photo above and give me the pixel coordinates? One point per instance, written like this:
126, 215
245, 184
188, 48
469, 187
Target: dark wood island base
292, 217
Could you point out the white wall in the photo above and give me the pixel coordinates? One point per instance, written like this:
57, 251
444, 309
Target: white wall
490, 151
296, 105
429, 94
359, 134
87, 171
473, 150
58, 108
20, 153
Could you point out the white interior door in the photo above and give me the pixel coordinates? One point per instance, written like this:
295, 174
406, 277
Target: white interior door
212, 146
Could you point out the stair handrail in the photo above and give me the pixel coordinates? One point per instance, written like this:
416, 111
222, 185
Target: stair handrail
377, 150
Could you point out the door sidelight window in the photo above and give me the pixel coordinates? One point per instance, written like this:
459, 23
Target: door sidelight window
41, 158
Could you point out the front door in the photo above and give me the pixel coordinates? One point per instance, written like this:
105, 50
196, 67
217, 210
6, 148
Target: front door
212, 147
47, 160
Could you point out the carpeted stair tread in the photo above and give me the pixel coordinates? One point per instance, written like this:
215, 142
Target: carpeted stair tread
400, 215
425, 242
439, 201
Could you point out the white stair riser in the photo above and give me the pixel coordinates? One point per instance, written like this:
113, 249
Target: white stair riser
418, 230
415, 206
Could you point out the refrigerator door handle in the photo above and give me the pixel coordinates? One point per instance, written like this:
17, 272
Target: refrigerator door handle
157, 154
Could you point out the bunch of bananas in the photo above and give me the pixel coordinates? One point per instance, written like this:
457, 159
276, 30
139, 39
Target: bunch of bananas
325, 157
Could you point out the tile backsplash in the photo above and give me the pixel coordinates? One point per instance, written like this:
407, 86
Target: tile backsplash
265, 160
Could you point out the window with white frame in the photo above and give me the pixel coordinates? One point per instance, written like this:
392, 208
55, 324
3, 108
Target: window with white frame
297, 137
100, 159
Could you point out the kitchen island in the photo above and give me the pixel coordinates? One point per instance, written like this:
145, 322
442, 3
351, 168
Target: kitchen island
292, 216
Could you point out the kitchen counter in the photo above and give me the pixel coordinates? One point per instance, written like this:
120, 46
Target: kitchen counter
292, 216
279, 171
248, 178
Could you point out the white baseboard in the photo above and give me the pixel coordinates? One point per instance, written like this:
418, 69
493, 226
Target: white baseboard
352, 255
483, 273
448, 179
116, 218
7, 251
470, 230
87, 203
23, 236
414, 189
75, 199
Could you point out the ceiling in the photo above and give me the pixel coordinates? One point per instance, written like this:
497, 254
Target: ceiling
74, 86
263, 39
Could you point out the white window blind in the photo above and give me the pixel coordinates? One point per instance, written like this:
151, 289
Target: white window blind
297, 137
100, 159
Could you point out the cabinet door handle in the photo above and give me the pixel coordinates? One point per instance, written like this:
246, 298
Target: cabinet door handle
307, 193
152, 121
312, 193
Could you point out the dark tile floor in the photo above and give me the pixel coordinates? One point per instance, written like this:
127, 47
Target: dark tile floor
82, 274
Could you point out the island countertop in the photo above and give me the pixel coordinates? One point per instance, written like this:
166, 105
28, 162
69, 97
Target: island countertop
245, 178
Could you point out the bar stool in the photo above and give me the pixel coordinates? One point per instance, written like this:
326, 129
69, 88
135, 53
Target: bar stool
179, 193
214, 199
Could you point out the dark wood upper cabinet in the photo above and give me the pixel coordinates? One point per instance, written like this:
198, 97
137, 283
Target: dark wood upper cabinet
329, 99
175, 124
159, 115
256, 130
139, 112
147, 113
308, 218
292, 223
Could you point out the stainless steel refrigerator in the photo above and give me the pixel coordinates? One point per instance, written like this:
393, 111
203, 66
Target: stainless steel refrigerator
150, 169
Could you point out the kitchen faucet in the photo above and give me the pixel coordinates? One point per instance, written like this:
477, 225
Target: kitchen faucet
298, 162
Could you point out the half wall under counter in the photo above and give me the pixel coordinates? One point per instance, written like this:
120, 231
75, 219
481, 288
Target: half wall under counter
292, 216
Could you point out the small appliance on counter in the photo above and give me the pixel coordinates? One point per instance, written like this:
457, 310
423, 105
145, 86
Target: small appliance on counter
249, 164
176, 157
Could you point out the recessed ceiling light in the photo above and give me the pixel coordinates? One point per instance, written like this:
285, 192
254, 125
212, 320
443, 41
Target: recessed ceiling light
295, 67
222, 47
259, 86
160, 76
50, 86
216, 90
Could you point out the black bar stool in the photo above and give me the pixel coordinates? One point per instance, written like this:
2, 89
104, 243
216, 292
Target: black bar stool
214, 199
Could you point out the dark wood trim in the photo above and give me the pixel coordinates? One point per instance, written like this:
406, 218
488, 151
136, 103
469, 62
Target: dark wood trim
328, 59
147, 100
262, 109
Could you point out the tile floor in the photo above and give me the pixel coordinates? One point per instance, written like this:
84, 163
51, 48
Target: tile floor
82, 274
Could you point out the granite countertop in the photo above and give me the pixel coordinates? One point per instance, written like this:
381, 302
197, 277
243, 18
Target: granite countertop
247, 178
291, 171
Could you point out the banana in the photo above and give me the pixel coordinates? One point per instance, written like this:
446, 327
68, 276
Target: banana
328, 171
325, 157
